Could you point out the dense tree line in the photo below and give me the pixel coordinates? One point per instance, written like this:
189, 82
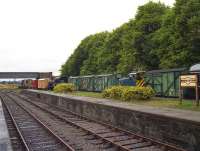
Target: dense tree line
158, 37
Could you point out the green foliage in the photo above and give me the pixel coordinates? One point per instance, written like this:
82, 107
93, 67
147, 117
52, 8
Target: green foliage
129, 93
85, 58
114, 92
137, 93
158, 37
64, 88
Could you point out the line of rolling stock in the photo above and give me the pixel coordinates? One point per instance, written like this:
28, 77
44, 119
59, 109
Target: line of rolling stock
164, 82
43, 84
36, 84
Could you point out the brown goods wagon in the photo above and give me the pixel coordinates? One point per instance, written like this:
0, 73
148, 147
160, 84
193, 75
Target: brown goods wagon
43, 83
29, 83
26, 83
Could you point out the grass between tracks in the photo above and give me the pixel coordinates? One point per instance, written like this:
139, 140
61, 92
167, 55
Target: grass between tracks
155, 102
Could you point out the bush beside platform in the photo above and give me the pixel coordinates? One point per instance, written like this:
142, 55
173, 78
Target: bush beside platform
64, 88
129, 93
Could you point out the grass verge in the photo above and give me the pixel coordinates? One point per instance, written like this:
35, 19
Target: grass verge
170, 103
155, 102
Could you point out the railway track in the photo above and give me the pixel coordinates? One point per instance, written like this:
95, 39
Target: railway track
33, 134
105, 136
16, 141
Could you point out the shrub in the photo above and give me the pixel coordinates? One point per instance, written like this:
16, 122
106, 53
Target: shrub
113, 92
64, 88
129, 93
137, 93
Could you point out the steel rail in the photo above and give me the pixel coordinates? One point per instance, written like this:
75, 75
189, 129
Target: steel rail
69, 148
15, 125
154, 142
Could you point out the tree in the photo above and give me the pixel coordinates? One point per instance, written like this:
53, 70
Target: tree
179, 38
91, 65
158, 37
187, 26
148, 20
84, 60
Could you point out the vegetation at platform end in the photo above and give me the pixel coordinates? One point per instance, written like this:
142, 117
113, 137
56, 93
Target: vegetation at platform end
64, 88
158, 37
129, 93
8, 86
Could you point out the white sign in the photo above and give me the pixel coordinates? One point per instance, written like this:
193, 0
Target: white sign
188, 80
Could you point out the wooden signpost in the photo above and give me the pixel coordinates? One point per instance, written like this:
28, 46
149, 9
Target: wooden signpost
190, 81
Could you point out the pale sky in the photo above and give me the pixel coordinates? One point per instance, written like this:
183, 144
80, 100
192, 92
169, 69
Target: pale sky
39, 35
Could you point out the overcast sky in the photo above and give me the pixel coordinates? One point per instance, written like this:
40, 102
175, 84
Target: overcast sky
39, 35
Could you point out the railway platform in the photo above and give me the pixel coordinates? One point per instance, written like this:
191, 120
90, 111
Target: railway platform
193, 116
174, 126
5, 144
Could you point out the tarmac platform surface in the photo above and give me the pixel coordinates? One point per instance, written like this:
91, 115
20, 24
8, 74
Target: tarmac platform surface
5, 144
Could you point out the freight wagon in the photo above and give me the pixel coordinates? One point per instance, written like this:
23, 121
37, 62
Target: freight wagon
95, 83
164, 82
43, 83
27, 84
34, 84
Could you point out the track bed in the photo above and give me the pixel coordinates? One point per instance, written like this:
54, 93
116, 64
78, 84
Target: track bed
31, 133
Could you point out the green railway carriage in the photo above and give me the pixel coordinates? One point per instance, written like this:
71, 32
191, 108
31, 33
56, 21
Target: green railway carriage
165, 82
95, 83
